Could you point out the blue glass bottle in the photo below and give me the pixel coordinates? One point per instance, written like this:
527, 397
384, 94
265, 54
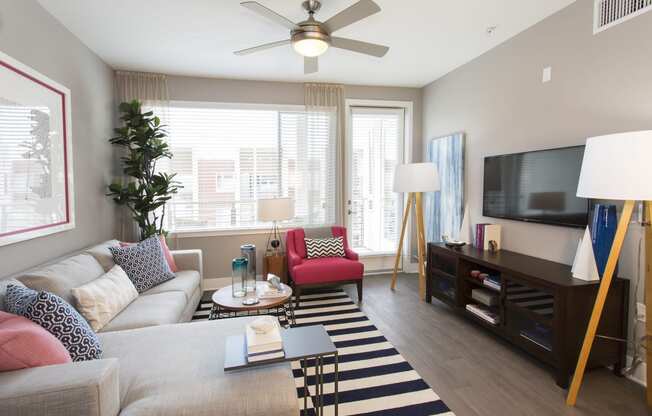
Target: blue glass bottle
239, 277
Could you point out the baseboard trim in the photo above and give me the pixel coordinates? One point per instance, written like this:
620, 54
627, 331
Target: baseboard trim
640, 373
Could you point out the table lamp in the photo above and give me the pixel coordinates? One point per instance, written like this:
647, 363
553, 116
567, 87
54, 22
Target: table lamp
275, 210
614, 167
414, 179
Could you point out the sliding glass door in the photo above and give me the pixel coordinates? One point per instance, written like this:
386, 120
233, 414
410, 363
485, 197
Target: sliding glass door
375, 146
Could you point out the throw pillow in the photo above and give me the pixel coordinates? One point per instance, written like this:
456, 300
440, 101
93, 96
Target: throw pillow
58, 318
24, 344
4, 283
325, 247
144, 263
102, 299
166, 251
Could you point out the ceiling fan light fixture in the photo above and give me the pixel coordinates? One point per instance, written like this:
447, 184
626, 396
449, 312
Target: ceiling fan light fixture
310, 47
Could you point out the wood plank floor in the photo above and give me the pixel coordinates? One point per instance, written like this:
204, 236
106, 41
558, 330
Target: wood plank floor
461, 361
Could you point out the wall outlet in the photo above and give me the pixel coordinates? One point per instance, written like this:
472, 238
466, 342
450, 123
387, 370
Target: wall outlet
547, 74
640, 311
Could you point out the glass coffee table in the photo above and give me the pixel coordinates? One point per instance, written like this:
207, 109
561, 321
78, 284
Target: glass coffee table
311, 346
226, 306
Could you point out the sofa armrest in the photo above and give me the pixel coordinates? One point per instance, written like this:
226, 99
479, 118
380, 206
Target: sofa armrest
189, 260
81, 388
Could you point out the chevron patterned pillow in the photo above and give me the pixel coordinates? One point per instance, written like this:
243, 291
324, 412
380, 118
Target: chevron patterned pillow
325, 247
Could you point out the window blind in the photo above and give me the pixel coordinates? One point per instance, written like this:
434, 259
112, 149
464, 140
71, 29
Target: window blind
228, 157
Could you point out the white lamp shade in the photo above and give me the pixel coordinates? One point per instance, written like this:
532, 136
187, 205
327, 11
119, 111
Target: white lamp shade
617, 167
416, 177
275, 209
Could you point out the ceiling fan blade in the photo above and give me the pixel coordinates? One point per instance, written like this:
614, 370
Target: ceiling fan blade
360, 10
270, 14
359, 46
310, 65
263, 47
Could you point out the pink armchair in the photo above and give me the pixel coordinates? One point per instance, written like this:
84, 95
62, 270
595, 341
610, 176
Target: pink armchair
324, 271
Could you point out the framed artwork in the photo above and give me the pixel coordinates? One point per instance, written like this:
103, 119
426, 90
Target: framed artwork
36, 186
444, 209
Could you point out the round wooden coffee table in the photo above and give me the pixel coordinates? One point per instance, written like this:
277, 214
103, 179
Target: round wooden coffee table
226, 306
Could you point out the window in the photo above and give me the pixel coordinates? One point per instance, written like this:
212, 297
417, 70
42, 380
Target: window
227, 157
376, 145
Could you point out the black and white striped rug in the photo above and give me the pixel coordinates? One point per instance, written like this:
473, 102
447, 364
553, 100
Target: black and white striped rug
374, 379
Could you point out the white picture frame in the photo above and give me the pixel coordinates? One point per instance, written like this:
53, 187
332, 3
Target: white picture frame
36, 160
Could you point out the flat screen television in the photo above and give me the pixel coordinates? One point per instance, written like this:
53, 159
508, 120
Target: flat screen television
537, 186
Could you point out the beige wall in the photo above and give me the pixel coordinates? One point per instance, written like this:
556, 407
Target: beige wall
600, 84
32, 36
218, 251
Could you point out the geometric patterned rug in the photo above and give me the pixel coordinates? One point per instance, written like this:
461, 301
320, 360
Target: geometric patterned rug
374, 379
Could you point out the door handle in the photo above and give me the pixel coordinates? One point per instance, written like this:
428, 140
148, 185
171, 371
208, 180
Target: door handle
349, 212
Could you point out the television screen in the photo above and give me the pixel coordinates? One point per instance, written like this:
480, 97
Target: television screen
536, 186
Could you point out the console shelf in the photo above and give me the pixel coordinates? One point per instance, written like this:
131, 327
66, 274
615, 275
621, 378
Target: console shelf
541, 308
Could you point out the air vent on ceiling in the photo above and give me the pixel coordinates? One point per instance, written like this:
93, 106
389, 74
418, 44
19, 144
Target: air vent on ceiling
609, 13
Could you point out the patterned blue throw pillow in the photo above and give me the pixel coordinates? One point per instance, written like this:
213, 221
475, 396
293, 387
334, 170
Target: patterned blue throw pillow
57, 317
144, 263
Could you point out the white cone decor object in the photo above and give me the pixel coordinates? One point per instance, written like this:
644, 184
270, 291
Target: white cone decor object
584, 266
465, 228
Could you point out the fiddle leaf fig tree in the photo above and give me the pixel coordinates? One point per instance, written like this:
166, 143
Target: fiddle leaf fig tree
143, 140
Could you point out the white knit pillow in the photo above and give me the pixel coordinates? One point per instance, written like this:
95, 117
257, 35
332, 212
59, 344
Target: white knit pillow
102, 299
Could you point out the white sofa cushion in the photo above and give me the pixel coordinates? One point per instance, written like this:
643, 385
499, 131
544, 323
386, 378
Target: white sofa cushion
103, 255
102, 299
157, 309
179, 369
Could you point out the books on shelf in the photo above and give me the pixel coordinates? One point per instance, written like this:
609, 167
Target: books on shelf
263, 339
483, 313
492, 282
485, 234
485, 297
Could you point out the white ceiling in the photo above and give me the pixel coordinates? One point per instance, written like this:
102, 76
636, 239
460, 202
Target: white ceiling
428, 38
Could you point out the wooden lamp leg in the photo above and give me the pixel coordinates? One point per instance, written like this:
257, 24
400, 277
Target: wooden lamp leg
605, 283
648, 299
421, 242
399, 252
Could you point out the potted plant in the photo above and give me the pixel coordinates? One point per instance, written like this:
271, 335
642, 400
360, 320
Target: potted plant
145, 193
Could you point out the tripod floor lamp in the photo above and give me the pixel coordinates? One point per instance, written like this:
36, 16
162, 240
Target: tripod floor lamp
414, 179
615, 167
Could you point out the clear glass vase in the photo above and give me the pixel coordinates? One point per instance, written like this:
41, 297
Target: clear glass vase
239, 277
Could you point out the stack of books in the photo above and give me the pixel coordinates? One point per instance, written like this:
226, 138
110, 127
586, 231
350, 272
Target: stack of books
485, 233
263, 339
492, 282
485, 297
483, 313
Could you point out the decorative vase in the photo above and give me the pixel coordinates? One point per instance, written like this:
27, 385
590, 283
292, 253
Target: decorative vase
239, 277
603, 231
248, 251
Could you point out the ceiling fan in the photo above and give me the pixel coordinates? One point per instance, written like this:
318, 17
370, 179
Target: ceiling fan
311, 38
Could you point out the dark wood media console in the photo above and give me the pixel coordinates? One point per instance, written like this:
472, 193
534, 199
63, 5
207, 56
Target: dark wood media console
541, 308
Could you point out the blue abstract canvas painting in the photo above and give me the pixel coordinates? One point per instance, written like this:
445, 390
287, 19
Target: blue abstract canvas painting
444, 209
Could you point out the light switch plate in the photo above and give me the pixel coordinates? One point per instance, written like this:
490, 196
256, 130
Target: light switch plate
640, 312
547, 74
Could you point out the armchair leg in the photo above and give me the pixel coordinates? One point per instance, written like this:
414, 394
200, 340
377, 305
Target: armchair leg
297, 295
359, 285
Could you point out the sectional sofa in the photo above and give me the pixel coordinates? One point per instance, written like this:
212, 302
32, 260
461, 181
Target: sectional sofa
155, 362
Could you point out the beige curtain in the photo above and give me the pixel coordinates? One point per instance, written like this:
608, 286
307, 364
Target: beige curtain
152, 91
320, 97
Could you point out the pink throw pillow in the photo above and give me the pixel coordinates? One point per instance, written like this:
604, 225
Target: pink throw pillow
166, 253
25, 344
